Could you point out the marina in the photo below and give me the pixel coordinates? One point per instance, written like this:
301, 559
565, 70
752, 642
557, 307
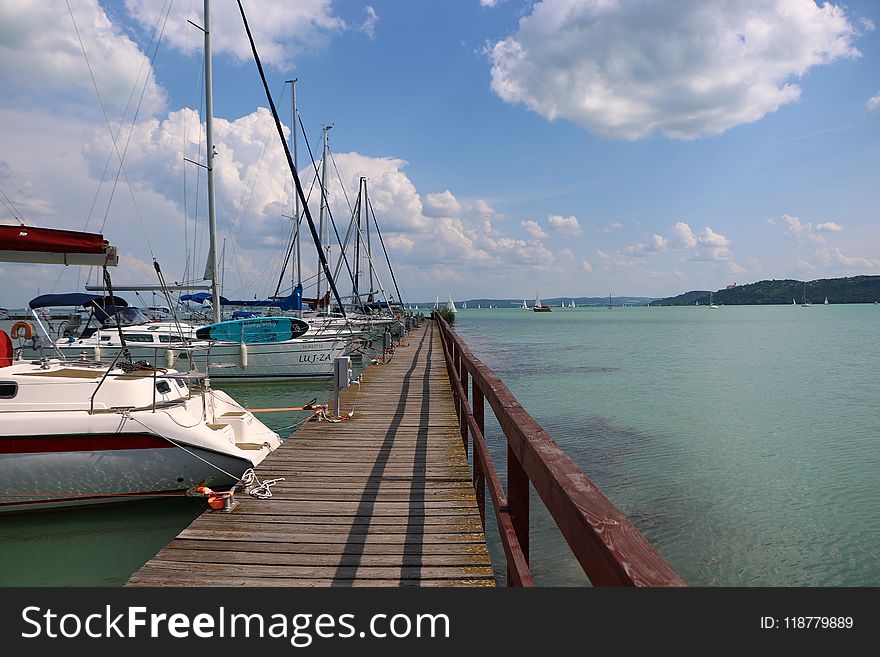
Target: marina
692, 478
220, 362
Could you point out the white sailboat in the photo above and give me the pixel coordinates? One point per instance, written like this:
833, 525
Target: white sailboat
81, 432
450, 306
826, 301
804, 302
712, 303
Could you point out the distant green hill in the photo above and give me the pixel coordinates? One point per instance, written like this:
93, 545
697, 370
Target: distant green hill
855, 289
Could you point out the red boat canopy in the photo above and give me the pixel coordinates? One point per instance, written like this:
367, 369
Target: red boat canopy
52, 246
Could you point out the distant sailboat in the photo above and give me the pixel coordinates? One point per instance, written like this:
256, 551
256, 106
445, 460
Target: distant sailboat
712, 303
450, 306
525, 306
540, 307
805, 303
826, 301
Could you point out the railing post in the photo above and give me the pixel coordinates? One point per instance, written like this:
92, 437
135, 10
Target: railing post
518, 503
479, 476
456, 361
464, 386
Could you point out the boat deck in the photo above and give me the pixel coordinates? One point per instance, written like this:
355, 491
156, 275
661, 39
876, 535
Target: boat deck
381, 499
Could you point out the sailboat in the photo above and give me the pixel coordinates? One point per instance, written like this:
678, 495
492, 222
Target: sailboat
804, 302
78, 432
712, 303
450, 306
826, 301
539, 307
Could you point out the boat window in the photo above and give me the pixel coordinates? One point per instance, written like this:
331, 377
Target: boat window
138, 337
167, 337
124, 317
105, 338
163, 387
8, 389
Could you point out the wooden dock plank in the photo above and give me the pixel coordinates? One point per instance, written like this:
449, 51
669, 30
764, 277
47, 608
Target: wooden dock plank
383, 498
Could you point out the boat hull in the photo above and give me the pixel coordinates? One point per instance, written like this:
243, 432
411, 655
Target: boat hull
54, 471
227, 361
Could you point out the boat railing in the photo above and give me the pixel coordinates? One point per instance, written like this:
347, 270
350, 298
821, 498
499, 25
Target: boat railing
610, 550
154, 369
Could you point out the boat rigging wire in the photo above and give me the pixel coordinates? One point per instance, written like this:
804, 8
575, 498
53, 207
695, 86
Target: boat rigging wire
121, 170
10, 207
323, 187
385, 251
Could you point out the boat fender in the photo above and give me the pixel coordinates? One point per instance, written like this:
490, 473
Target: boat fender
97, 354
26, 329
169, 358
243, 355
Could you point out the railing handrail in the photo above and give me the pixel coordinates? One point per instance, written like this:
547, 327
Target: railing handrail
611, 551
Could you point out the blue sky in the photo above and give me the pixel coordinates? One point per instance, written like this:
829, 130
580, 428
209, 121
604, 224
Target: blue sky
576, 147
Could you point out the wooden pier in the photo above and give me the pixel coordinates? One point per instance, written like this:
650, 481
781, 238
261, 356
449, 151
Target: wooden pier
384, 498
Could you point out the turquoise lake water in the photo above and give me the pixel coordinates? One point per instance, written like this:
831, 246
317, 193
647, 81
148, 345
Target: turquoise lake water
744, 442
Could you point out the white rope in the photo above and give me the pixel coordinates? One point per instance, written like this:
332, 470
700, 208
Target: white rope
356, 382
262, 488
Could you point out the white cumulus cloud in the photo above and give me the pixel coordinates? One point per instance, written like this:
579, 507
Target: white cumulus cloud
443, 204
534, 229
655, 245
829, 227
683, 236
41, 58
281, 29
565, 226
630, 68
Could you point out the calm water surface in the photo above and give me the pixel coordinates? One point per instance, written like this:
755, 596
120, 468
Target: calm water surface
744, 442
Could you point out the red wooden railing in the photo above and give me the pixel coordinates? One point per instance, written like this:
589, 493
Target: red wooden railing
611, 551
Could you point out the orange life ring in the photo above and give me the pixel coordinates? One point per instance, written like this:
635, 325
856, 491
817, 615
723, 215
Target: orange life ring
27, 329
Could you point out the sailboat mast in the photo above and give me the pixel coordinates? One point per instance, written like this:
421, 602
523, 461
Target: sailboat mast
369, 249
295, 272
211, 267
322, 225
357, 242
